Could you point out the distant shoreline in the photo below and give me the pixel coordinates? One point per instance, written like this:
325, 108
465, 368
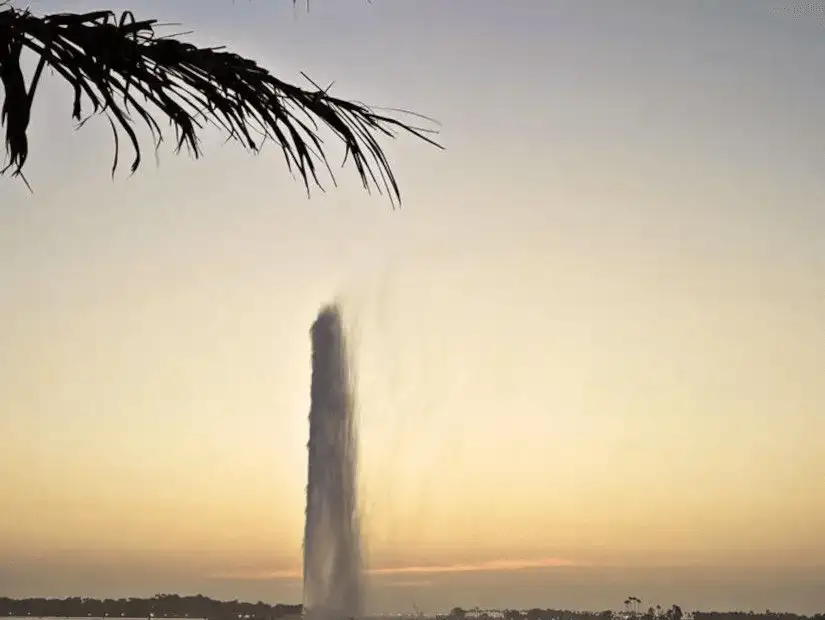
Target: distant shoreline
169, 606
199, 607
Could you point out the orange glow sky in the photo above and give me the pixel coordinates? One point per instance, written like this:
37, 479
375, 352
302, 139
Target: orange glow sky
590, 346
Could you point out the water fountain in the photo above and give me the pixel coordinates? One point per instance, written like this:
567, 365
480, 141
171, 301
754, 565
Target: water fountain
333, 573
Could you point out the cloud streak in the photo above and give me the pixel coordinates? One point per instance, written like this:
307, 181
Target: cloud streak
423, 569
423, 583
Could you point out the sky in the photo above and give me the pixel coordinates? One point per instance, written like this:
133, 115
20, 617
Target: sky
589, 346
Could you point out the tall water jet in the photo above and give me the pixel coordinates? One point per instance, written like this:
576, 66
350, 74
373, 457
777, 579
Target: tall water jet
333, 575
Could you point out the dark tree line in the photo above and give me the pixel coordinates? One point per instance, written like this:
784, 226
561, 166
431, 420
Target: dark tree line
159, 606
199, 606
632, 610
750, 615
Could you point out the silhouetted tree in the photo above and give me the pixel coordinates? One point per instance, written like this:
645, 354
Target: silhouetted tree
631, 604
121, 67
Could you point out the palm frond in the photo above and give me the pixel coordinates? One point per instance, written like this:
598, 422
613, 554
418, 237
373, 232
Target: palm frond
120, 67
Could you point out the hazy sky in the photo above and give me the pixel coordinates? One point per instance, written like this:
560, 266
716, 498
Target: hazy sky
591, 346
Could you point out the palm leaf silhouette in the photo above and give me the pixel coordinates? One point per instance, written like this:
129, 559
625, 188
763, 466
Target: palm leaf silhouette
121, 67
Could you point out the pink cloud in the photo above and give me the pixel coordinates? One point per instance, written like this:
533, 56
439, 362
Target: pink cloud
424, 569
420, 583
489, 566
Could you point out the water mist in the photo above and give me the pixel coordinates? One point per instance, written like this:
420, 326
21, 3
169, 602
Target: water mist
333, 573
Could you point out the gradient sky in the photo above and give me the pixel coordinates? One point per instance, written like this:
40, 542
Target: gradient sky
591, 346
